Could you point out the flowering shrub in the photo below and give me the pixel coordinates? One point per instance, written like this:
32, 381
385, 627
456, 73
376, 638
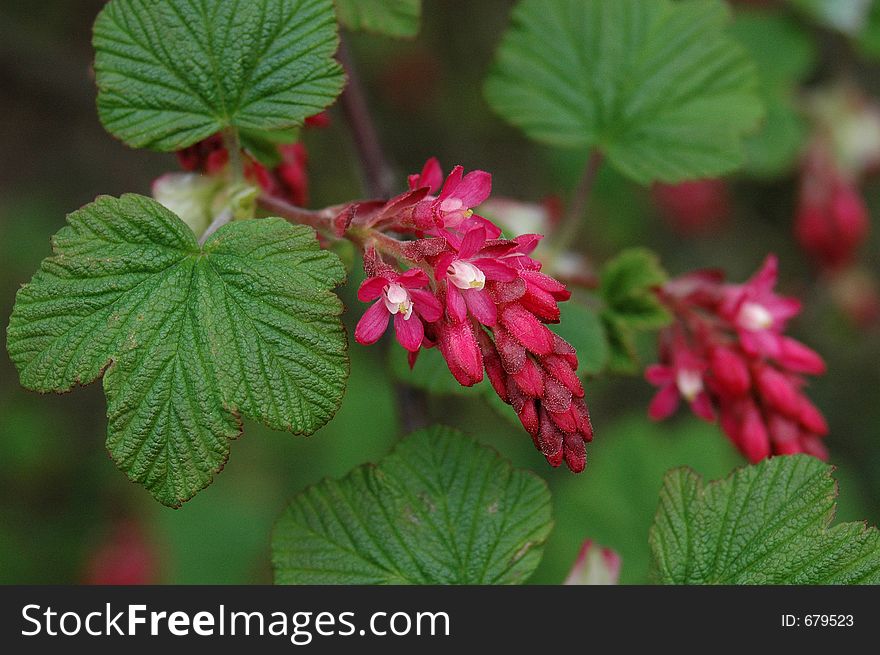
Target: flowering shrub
215, 300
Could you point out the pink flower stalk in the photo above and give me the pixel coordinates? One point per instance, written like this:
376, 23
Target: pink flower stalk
402, 296
726, 355
486, 309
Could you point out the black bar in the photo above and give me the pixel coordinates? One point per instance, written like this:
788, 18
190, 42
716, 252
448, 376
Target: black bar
525, 619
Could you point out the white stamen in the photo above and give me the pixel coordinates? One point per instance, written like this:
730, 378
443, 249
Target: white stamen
753, 316
465, 275
397, 300
689, 383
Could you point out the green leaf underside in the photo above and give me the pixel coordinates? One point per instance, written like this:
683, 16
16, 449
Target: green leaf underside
627, 286
191, 337
655, 85
765, 524
399, 18
440, 509
173, 72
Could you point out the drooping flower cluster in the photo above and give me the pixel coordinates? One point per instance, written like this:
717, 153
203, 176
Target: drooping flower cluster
726, 355
832, 219
482, 300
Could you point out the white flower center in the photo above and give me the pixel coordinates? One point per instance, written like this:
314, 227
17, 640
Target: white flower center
397, 300
690, 383
465, 275
754, 317
450, 204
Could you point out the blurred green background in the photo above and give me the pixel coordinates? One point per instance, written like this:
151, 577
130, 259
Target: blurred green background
63, 503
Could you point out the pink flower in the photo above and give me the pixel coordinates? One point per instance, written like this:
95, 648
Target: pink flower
452, 210
465, 271
681, 378
758, 314
402, 296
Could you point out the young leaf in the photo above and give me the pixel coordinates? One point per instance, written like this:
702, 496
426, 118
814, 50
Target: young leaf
627, 286
765, 524
656, 85
173, 72
440, 509
190, 337
398, 18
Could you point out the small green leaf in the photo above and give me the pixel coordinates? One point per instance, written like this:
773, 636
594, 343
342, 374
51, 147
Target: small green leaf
764, 524
656, 85
440, 509
190, 337
628, 285
173, 72
582, 328
398, 18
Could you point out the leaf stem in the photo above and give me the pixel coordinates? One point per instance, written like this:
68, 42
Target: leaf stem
378, 176
571, 222
233, 147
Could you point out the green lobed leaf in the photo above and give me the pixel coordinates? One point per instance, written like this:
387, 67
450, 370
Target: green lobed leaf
173, 72
764, 524
785, 55
627, 286
440, 509
398, 18
656, 85
191, 337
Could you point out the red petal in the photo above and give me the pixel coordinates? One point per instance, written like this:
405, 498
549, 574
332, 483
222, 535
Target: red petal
409, 332
426, 305
481, 306
372, 288
664, 403
372, 324
474, 188
455, 304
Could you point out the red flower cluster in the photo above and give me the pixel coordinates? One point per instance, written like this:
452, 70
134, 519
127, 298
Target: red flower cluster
288, 180
693, 207
832, 219
483, 302
727, 356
